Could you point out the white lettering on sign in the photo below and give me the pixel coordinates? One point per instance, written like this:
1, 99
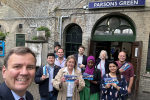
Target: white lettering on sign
114, 3
135, 1
105, 4
128, 3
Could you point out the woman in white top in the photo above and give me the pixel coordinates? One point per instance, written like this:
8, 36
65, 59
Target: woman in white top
102, 63
69, 90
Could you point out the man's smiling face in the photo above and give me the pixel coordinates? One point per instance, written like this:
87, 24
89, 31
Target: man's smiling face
20, 72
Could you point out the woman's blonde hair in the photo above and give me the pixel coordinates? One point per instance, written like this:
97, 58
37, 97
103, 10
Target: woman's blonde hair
71, 57
105, 53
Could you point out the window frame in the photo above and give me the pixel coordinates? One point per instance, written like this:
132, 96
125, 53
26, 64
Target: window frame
72, 43
114, 37
18, 39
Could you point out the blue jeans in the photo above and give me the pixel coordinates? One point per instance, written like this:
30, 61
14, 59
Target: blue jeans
69, 98
51, 97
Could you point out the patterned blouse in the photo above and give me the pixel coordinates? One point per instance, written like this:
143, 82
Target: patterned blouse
112, 93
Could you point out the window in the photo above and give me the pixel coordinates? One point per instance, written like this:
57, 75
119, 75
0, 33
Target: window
73, 39
114, 28
20, 40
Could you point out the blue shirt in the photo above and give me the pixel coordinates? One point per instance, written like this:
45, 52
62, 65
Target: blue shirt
80, 60
51, 71
17, 97
62, 64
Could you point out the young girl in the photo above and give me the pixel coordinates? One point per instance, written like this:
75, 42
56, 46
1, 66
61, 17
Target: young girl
113, 91
91, 89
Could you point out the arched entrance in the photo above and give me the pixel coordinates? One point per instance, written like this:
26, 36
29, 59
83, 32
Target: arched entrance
117, 32
112, 33
73, 39
114, 28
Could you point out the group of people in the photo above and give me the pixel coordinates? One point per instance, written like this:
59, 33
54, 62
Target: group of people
19, 71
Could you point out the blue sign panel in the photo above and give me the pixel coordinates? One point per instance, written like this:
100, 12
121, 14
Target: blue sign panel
117, 3
2, 48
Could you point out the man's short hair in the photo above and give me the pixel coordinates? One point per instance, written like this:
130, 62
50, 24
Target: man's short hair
57, 45
51, 54
60, 48
82, 47
18, 51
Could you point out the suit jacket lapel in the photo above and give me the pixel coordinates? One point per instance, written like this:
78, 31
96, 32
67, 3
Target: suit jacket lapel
6, 94
83, 59
27, 96
106, 65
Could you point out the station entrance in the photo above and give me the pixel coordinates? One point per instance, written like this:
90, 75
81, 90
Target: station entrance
112, 47
117, 33
133, 51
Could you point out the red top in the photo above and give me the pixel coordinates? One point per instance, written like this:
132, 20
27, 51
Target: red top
128, 72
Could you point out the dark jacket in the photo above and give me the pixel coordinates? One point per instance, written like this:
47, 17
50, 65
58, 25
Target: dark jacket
84, 61
6, 94
94, 88
44, 85
106, 64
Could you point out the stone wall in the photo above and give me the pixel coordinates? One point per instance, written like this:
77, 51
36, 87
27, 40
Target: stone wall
11, 17
11, 26
86, 19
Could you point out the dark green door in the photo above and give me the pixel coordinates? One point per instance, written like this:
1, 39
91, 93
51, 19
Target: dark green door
20, 40
73, 40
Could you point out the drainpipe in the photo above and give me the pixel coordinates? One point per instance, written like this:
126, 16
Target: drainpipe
58, 24
56, 29
61, 26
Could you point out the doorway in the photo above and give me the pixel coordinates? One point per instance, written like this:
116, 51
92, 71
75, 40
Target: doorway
133, 51
114, 32
111, 47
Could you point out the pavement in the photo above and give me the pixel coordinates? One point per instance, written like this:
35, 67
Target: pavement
33, 88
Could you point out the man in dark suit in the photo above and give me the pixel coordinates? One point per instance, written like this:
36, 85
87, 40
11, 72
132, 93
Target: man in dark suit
6, 94
18, 73
81, 59
46, 89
